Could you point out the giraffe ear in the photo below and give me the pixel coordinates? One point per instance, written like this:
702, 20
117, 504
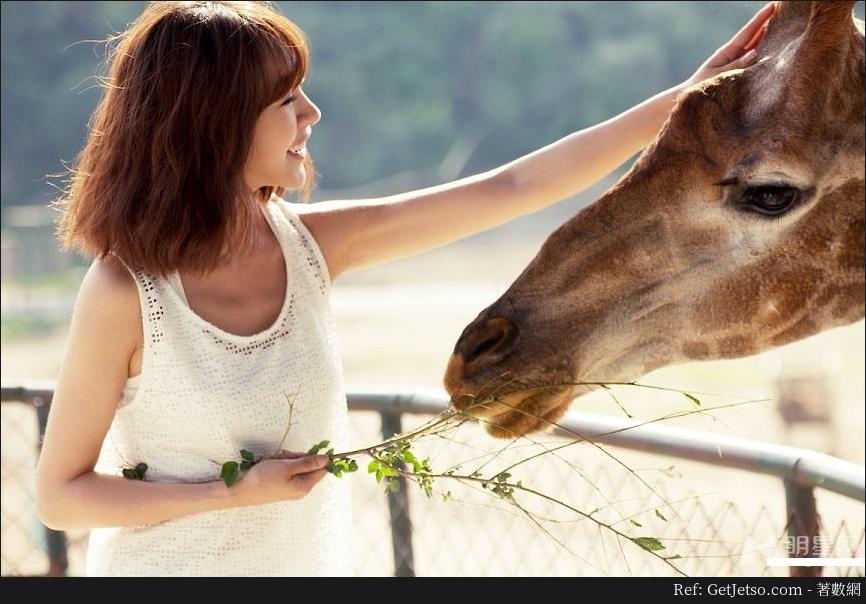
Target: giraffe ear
827, 37
821, 22
793, 10
828, 21
788, 22
840, 10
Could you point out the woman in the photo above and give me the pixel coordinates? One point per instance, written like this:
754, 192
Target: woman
203, 326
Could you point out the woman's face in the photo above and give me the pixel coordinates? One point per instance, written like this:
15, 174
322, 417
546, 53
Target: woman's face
280, 143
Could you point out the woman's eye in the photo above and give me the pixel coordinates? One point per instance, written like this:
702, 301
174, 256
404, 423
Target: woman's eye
289, 100
769, 200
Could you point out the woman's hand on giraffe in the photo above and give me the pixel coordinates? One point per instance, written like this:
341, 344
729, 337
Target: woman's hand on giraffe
739, 52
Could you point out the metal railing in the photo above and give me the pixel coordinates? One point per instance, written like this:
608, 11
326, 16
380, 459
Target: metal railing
801, 471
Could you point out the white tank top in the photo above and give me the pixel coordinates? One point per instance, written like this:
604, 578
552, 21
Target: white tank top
203, 395
131, 386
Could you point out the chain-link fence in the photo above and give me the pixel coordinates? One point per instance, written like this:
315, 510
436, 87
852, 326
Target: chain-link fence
597, 509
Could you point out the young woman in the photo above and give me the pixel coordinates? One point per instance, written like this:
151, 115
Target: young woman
203, 325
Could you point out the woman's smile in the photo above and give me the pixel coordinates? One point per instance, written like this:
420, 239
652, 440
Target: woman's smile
299, 153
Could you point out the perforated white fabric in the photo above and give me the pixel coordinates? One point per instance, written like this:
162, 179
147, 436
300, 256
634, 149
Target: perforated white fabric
205, 394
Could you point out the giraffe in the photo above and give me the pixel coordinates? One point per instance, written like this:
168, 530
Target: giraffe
740, 228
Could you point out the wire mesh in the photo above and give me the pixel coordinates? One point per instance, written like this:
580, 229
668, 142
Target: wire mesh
710, 521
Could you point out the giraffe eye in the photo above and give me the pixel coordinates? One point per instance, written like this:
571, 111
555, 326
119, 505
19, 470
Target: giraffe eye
769, 200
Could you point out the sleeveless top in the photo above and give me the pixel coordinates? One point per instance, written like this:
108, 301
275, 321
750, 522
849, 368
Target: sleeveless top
203, 395
131, 386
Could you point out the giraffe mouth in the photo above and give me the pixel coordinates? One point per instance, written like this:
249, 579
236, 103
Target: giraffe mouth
518, 413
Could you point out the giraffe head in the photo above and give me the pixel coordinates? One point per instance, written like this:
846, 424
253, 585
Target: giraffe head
739, 229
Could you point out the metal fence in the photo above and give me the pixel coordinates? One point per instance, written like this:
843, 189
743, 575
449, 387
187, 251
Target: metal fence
618, 476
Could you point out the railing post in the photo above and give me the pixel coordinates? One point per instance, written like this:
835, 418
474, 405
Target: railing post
398, 507
803, 527
58, 561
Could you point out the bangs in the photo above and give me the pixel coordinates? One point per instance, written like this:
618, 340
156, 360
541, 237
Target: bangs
285, 60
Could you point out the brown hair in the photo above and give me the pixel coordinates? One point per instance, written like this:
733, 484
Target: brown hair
159, 182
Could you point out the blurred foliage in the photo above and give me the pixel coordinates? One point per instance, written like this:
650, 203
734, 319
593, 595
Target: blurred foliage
399, 83
20, 328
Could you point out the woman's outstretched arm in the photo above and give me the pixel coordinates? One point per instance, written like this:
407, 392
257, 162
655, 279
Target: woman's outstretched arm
358, 233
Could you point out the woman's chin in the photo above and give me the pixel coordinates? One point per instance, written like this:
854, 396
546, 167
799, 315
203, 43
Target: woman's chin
294, 184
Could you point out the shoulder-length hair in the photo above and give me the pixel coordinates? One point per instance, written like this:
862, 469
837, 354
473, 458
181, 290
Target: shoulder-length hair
159, 182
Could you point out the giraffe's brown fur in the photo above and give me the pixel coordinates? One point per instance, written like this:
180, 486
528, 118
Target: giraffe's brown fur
665, 268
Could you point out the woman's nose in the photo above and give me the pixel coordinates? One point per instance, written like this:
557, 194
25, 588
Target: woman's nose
312, 113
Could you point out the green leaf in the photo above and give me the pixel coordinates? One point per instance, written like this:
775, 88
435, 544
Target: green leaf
373, 466
248, 455
650, 544
136, 473
379, 475
229, 473
635, 522
316, 448
659, 514
340, 465
246, 465
692, 398
394, 486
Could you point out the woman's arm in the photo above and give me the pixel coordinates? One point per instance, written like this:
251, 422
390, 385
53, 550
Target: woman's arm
354, 234
69, 494
105, 330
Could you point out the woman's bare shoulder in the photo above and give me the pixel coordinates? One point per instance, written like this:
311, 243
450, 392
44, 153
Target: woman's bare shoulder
108, 276
108, 295
322, 220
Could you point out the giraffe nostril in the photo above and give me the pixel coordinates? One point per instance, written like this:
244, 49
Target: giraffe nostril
486, 345
495, 335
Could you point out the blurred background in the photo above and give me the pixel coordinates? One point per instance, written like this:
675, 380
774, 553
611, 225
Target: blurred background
415, 94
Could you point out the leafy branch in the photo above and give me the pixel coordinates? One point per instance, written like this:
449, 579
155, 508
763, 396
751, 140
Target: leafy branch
393, 459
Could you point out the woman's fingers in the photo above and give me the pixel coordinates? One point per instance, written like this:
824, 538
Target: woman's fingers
756, 39
747, 38
308, 480
739, 63
744, 61
739, 52
283, 454
753, 27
